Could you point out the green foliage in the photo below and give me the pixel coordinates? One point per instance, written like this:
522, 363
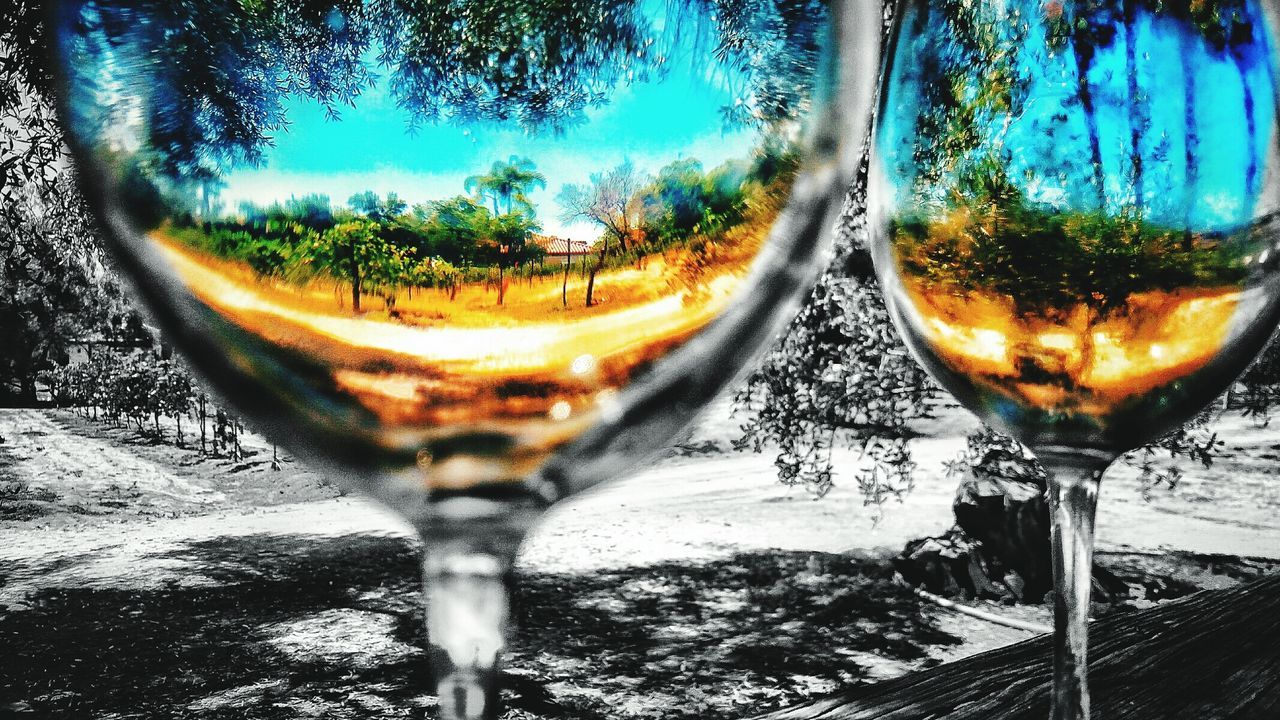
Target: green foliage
377, 209
380, 248
683, 201
507, 185
673, 202
136, 387
954, 109
311, 211
226, 71
1222, 22
55, 289
681, 207
145, 201
509, 233
452, 229
1046, 259
840, 377
544, 65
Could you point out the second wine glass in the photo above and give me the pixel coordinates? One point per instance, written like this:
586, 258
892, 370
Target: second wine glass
1075, 211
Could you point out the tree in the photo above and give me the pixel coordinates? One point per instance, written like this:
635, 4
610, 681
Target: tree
509, 232
223, 71
610, 200
724, 195
544, 65
377, 209
508, 184
672, 206
387, 271
453, 228
349, 250
54, 286
839, 375
222, 74
31, 145
312, 211
54, 290
829, 382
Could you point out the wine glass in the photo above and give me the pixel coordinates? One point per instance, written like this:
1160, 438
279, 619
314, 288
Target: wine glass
1074, 207
472, 256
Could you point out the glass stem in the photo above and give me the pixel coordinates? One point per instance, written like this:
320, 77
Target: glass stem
467, 616
1074, 476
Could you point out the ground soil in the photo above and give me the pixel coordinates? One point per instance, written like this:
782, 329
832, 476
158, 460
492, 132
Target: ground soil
138, 580
58, 468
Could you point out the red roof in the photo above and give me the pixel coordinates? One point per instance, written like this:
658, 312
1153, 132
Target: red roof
559, 246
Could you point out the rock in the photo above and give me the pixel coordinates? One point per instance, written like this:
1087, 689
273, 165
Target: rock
949, 565
342, 637
999, 548
1000, 504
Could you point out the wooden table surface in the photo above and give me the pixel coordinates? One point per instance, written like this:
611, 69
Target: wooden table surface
1212, 655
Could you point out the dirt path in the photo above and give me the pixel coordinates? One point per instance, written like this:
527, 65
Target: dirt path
75, 470
682, 509
87, 471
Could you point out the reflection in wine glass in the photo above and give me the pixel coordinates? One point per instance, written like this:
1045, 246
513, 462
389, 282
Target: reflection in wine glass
474, 256
1075, 206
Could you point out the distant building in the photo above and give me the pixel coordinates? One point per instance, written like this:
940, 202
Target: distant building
83, 350
559, 250
142, 338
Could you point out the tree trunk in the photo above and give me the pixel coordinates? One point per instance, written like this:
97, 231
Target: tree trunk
591, 279
203, 409
27, 390
355, 280
564, 286
1251, 180
1191, 143
1210, 656
1084, 52
1137, 117
591, 286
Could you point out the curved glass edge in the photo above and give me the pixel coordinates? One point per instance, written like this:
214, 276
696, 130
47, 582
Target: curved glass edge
655, 409
1199, 393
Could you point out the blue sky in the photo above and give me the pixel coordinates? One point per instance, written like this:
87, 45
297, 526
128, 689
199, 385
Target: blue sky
1049, 139
650, 123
